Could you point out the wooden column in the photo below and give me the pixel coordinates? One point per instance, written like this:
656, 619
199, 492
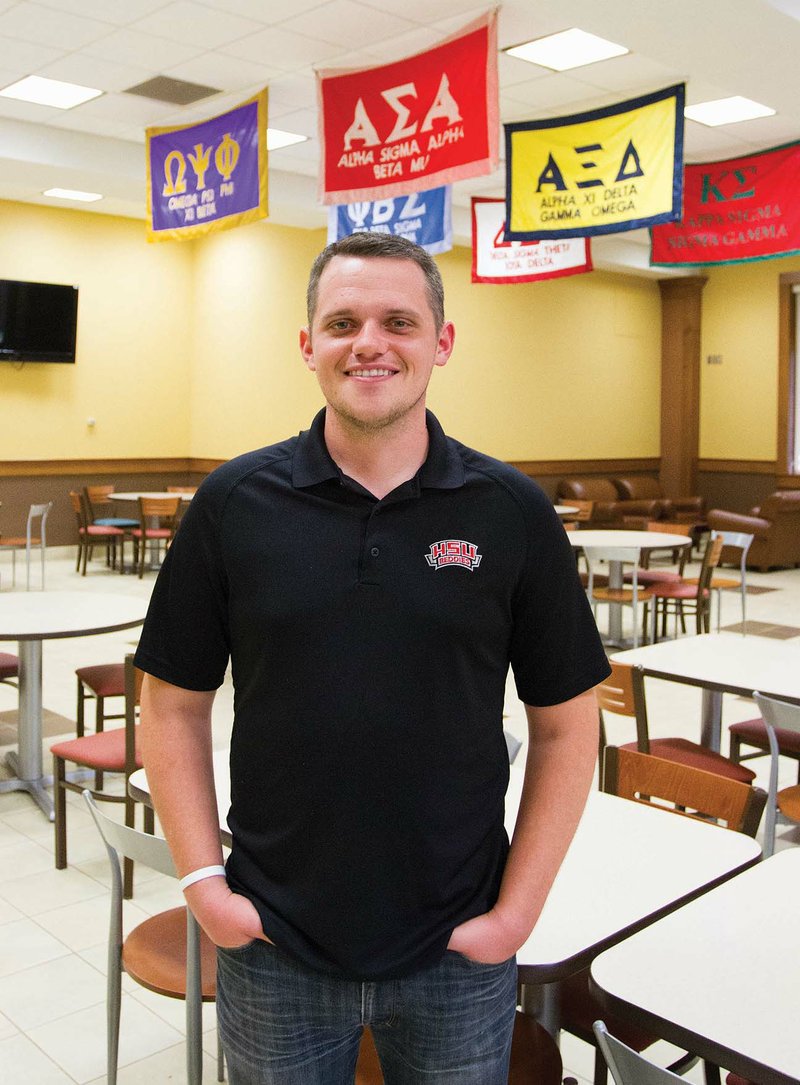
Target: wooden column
681, 321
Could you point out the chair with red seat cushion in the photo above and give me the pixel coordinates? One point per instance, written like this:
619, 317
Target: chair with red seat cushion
97, 682
114, 751
622, 693
9, 668
639, 777
754, 733
91, 535
677, 596
159, 517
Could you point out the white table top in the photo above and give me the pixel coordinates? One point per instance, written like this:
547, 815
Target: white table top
47, 615
565, 510
639, 540
721, 972
727, 662
644, 859
134, 495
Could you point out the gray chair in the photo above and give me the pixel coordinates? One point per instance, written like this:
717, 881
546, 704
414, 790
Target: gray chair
627, 1066
167, 953
27, 542
779, 718
739, 542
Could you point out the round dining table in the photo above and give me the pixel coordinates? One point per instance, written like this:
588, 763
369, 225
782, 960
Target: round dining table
31, 618
637, 543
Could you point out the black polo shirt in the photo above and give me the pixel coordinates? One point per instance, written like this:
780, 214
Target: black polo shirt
370, 642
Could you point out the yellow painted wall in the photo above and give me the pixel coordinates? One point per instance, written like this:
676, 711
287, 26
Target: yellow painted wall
133, 353
739, 398
191, 349
562, 369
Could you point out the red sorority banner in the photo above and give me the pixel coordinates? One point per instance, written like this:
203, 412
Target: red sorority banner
735, 210
427, 120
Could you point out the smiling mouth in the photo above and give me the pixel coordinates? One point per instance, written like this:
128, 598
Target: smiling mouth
370, 373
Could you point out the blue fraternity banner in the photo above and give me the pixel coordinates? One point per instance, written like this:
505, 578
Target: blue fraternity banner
601, 172
423, 217
208, 176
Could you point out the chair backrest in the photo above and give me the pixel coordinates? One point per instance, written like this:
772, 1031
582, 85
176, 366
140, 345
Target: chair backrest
97, 497
181, 489
734, 541
782, 716
77, 502
655, 781
38, 512
133, 693
711, 556
596, 555
584, 510
628, 1067
163, 507
622, 694
123, 842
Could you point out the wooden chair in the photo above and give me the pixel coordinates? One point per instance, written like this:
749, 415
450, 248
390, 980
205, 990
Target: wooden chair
158, 517
168, 953
97, 683
690, 792
91, 535
784, 718
112, 751
27, 542
675, 597
631, 595
99, 507
623, 694
735, 544
534, 1056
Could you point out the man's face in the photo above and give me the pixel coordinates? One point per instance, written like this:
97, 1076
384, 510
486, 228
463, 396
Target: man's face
373, 342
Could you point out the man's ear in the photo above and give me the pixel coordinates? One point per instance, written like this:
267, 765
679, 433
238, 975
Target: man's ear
306, 349
444, 347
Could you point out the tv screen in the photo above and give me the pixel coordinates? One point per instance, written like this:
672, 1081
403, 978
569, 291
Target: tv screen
38, 321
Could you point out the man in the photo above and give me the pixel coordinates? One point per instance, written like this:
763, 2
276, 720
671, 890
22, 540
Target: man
371, 581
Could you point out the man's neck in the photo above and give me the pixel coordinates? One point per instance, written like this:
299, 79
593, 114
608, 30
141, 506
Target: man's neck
379, 460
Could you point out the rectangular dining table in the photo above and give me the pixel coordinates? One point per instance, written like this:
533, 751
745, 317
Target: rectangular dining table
720, 663
628, 864
719, 975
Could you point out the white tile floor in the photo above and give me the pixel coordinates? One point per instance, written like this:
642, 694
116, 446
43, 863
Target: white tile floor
53, 924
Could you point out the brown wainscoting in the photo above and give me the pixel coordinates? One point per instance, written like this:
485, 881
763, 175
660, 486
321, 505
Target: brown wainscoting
736, 485
548, 473
38, 481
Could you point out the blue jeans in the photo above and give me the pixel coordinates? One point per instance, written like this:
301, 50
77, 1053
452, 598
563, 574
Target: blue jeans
284, 1024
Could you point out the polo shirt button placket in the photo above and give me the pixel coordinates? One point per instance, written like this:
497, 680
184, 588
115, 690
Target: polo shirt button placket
375, 551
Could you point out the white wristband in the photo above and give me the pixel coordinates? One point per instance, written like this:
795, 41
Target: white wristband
199, 875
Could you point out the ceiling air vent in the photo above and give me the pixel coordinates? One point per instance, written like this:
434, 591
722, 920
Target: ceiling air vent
175, 91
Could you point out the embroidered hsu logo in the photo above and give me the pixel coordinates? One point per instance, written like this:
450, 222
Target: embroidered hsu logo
453, 552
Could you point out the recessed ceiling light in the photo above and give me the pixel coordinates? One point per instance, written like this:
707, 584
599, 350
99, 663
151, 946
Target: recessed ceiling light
276, 139
568, 49
52, 92
73, 194
727, 111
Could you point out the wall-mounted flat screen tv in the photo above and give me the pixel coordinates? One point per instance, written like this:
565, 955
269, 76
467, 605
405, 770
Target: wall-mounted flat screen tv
38, 321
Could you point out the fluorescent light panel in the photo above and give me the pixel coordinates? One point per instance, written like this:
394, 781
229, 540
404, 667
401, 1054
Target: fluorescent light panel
73, 194
568, 49
277, 138
52, 92
727, 111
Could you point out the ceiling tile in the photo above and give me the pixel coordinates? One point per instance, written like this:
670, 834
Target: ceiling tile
334, 22
27, 111
127, 109
23, 58
196, 24
129, 46
285, 49
92, 71
407, 44
44, 26
227, 73
266, 11
118, 12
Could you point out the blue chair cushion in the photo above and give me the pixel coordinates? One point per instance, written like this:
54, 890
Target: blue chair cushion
115, 521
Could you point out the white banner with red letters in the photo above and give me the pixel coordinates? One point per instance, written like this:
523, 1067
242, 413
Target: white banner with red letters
497, 261
414, 124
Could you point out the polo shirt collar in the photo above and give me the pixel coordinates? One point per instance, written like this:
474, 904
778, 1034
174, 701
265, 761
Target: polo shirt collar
443, 468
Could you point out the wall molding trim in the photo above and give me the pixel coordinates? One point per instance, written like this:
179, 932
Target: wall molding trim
738, 467
544, 468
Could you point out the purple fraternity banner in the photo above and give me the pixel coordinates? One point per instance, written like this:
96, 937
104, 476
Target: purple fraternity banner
208, 176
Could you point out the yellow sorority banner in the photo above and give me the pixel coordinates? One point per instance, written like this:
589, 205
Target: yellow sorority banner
609, 170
